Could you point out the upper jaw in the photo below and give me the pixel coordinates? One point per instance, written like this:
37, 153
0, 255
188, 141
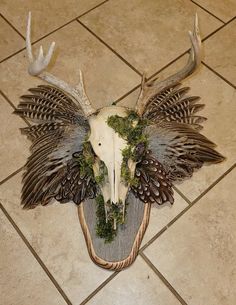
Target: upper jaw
108, 146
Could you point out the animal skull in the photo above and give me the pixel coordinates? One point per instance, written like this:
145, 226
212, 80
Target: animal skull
108, 146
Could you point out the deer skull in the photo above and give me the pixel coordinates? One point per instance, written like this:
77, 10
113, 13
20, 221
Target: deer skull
108, 147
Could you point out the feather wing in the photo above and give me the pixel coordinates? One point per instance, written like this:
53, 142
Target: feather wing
153, 182
173, 132
51, 170
180, 148
173, 105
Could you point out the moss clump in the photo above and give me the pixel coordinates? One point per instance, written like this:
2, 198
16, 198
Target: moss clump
128, 153
115, 212
126, 175
104, 229
131, 129
102, 173
86, 159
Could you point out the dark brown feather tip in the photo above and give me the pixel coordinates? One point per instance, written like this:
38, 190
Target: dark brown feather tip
153, 182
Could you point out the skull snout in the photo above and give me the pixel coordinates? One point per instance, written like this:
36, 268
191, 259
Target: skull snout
108, 147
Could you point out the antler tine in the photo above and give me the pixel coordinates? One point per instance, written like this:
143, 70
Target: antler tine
148, 90
37, 66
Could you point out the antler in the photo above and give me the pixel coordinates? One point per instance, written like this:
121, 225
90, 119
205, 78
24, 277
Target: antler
38, 65
149, 89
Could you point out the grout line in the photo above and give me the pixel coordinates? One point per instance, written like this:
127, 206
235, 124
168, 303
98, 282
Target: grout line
218, 29
163, 279
13, 54
186, 209
203, 8
177, 58
126, 94
214, 32
157, 235
60, 27
100, 4
150, 77
12, 26
232, 19
109, 47
169, 64
14, 107
11, 175
68, 22
213, 184
165, 228
53, 31
7, 100
111, 277
182, 195
33, 252
219, 75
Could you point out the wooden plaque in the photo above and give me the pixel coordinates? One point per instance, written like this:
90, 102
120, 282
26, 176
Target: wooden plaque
122, 251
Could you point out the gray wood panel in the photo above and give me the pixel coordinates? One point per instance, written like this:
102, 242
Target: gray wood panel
121, 246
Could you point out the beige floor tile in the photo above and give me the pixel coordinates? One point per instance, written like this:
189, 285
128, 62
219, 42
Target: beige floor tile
75, 49
220, 52
10, 41
47, 15
14, 146
55, 234
225, 10
197, 254
148, 34
220, 109
137, 285
23, 281
162, 215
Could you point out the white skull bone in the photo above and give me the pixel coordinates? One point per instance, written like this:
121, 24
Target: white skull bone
108, 146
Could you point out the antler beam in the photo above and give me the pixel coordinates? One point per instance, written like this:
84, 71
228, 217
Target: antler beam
149, 89
38, 65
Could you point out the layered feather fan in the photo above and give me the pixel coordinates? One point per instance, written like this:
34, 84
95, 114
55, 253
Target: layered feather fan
173, 133
51, 172
153, 185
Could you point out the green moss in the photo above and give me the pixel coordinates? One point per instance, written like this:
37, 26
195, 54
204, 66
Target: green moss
116, 212
126, 175
104, 229
85, 159
102, 173
127, 153
129, 128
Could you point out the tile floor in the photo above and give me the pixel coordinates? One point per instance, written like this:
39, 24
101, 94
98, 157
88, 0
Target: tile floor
188, 252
